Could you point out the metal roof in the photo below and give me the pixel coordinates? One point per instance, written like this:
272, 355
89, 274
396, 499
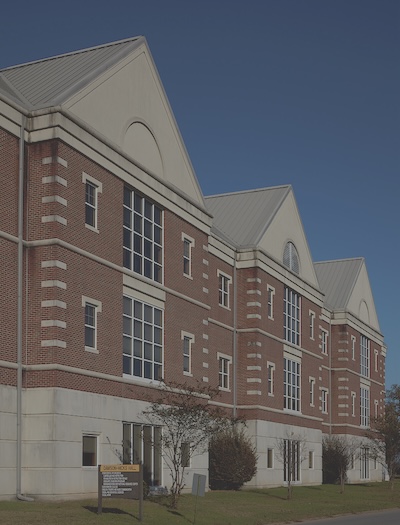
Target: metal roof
243, 217
51, 81
337, 280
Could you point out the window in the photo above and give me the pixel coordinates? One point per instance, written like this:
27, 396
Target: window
364, 407
188, 244
351, 467
270, 306
187, 340
324, 342
92, 189
312, 391
270, 458
353, 404
376, 355
291, 460
364, 351
142, 444
364, 463
223, 285
185, 454
142, 340
311, 459
291, 316
142, 236
312, 324
291, 385
376, 408
271, 373
89, 451
353, 348
224, 363
92, 308
324, 401
291, 258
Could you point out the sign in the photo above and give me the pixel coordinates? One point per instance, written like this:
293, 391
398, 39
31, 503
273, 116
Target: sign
120, 481
199, 484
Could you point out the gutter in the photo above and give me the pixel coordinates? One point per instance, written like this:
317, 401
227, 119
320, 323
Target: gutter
20, 267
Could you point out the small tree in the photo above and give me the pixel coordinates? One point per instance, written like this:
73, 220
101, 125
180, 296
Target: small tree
232, 458
337, 455
291, 453
188, 422
384, 435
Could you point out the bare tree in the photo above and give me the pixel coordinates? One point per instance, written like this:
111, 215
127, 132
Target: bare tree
188, 421
384, 435
291, 453
338, 453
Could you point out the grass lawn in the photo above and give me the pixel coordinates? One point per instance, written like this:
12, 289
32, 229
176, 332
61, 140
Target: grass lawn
245, 507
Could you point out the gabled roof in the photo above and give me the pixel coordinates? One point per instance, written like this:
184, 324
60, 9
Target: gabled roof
243, 217
337, 280
49, 82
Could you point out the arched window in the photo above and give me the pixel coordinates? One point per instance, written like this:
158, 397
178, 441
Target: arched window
291, 258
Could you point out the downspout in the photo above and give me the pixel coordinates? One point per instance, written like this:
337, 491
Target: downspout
234, 389
20, 268
330, 378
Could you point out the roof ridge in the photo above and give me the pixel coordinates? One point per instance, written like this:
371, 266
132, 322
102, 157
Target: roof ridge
71, 53
254, 190
345, 259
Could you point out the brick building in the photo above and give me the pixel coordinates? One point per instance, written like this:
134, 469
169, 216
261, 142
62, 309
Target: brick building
116, 271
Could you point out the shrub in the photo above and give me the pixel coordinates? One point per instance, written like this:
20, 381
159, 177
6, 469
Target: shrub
232, 459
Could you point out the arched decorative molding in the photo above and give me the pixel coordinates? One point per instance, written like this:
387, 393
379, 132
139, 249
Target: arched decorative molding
290, 258
363, 312
139, 142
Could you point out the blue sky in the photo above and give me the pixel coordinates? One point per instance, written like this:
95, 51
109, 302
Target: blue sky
269, 92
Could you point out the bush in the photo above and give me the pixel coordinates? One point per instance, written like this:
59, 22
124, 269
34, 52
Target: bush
232, 459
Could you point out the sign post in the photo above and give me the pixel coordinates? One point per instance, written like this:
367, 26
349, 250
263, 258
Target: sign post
120, 481
198, 489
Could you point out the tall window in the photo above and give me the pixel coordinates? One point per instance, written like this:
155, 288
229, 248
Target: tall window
142, 243
291, 385
187, 340
312, 324
271, 293
223, 289
291, 316
324, 401
324, 342
364, 463
271, 373
142, 340
142, 444
364, 407
91, 309
376, 360
270, 458
353, 404
224, 363
185, 454
291, 258
92, 189
312, 391
89, 451
291, 460
187, 255
353, 347
364, 351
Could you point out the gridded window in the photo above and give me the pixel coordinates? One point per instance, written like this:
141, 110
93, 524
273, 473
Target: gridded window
291, 258
187, 256
271, 374
312, 391
271, 293
364, 407
90, 325
224, 363
364, 463
291, 385
185, 454
324, 401
291, 316
142, 444
324, 342
90, 204
364, 353
187, 353
89, 451
142, 340
291, 460
223, 289
142, 236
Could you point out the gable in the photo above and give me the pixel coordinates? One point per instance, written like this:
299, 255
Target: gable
127, 105
286, 226
361, 301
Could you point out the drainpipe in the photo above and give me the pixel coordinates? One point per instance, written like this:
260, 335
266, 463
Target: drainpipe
20, 264
330, 378
234, 389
